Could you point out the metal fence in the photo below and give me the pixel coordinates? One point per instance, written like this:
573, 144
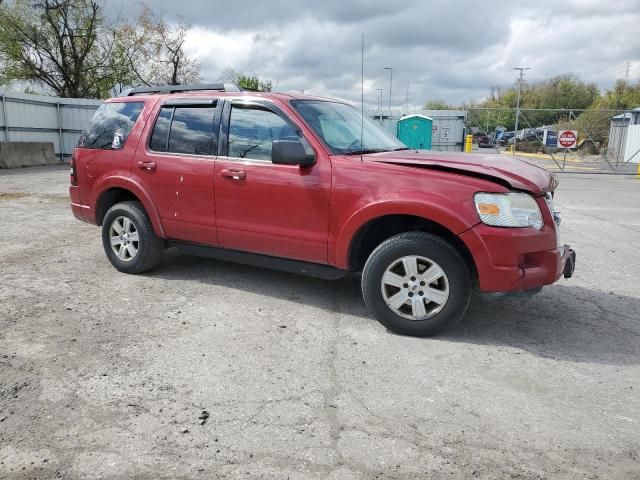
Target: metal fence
607, 140
36, 118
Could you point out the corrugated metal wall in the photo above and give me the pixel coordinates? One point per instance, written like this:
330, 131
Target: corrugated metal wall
37, 118
617, 136
632, 147
448, 126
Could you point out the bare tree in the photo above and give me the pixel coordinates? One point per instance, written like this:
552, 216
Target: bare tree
154, 50
64, 45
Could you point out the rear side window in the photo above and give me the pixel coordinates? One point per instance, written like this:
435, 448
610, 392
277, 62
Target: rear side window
110, 125
187, 130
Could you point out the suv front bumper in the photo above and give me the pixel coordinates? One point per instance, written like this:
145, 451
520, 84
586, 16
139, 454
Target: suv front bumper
516, 260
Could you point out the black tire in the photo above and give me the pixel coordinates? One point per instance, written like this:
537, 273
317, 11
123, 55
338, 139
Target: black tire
424, 245
149, 246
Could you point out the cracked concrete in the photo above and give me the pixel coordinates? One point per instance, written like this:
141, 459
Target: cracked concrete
105, 375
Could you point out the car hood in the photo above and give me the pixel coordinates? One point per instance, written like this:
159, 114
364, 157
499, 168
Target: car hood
511, 171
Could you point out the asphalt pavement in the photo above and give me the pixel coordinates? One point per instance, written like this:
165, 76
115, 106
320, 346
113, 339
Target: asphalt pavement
206, 369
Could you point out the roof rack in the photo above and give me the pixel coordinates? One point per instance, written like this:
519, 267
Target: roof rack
221, 87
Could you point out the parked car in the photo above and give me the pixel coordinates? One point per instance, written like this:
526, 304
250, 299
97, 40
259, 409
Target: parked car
478, 135
306, 185
503, 138
486, 141
530, 134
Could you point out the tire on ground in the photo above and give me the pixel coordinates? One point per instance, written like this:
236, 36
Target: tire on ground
425, 245
150, 246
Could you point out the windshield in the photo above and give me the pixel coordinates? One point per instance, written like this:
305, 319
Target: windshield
340, 125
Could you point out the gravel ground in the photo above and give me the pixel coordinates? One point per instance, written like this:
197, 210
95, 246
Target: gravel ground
206, 369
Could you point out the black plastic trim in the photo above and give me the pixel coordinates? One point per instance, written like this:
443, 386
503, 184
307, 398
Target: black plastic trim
190, 102
299, 267
176, 88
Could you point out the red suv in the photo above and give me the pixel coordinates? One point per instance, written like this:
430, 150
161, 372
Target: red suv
306, 185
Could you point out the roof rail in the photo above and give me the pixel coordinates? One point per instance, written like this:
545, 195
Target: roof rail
221, 87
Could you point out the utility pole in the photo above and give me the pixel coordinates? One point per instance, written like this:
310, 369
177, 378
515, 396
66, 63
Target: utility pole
515, 135
390, 84
627, 70
380, 104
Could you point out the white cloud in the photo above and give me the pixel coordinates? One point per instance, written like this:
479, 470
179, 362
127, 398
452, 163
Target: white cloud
446, 51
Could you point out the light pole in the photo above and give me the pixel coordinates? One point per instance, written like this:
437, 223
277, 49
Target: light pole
390, 85
515, 134
380, 104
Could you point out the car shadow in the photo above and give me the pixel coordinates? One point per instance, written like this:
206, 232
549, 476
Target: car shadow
563, 322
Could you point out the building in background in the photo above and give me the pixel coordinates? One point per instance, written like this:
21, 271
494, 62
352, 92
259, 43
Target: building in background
624, 137
447, 126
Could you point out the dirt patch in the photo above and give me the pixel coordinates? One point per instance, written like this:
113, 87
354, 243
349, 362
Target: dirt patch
55, 197
13, 195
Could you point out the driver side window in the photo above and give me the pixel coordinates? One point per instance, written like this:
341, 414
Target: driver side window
251, 131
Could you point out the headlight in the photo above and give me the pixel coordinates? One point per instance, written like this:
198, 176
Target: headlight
508, 210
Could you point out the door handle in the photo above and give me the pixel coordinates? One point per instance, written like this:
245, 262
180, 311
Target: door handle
234, 174
148, 166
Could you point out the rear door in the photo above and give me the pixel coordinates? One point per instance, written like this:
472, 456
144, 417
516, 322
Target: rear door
176, 167
278, 210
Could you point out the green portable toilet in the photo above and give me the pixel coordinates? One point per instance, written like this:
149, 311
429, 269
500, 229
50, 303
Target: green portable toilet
415, 131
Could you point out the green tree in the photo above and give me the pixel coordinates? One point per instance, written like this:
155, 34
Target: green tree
248, 82
64, 46
596, 121
621, 96
566, 91
69, 49
437, 105
562, 91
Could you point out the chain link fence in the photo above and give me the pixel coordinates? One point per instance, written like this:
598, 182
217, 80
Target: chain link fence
607, 140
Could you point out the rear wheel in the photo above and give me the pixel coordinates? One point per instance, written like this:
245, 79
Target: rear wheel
416, 284
128, 238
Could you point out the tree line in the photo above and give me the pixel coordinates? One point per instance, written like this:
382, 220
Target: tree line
577, 104
566, 91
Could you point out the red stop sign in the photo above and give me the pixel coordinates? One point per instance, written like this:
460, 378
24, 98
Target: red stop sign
567, 139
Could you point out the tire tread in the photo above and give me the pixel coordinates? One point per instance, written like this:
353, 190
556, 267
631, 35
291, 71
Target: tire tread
418, 328
150, 255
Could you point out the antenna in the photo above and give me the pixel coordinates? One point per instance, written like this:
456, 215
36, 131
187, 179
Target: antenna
362, 97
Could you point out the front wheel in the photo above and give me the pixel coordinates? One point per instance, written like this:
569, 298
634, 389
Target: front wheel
128, 238
416, 284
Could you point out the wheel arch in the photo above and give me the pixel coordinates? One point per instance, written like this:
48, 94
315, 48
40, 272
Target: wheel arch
378, 229
119, 190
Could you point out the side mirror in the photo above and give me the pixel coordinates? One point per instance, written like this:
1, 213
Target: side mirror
291, 152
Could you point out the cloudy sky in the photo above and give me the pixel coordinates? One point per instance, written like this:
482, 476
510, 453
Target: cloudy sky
452, 51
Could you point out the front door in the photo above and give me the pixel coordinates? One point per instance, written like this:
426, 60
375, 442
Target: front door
177, 167
278, 210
